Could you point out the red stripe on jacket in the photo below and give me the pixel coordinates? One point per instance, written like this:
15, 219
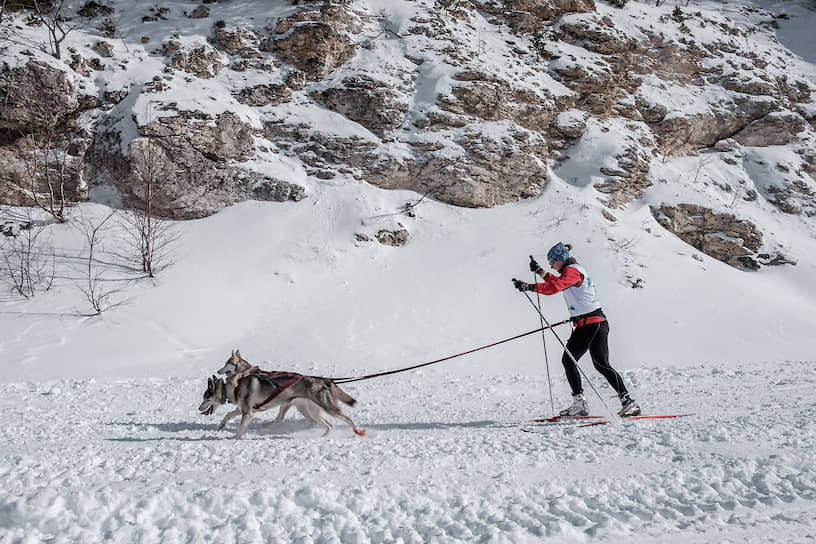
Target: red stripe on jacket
553, 284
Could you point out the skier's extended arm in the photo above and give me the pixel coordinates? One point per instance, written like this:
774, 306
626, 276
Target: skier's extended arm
556, 283
552, 283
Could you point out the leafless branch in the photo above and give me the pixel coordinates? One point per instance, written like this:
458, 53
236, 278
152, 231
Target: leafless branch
100, 298
29, 261
47, 173
51, 16
152, 237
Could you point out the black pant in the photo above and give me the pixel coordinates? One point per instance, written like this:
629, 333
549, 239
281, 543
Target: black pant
593, 337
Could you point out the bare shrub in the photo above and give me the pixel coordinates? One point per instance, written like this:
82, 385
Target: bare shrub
47, 175
27, 254
97, 292
151, 241
151, 236
51, 153
57, 24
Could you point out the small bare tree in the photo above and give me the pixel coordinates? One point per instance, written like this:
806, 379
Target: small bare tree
152, 236
50, 13
99, 297
28, 257
148, 240
51, 176
702, 162
47, 174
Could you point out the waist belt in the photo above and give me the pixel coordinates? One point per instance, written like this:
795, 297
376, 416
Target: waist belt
595, 316
587, 321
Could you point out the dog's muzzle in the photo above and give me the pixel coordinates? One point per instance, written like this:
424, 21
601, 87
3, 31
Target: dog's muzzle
208, 411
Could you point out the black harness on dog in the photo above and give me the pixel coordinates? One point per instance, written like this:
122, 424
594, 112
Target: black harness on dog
292, 380
282, 380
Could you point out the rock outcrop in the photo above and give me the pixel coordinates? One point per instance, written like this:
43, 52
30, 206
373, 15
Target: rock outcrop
723, 236
492, 168
681, 134
42, 151
36, 97
366, 101
315, 42
775, 128
190, 164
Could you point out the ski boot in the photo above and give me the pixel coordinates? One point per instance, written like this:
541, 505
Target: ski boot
578, 408
629, 407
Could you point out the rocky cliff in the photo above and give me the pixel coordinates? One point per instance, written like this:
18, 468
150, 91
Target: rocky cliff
471, 102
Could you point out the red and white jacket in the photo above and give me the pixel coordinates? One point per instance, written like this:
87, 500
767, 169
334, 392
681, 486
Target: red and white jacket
579, 293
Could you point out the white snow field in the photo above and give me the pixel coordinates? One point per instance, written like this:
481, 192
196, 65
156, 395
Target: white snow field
445, 460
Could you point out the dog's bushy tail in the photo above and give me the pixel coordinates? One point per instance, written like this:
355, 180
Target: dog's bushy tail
342, 395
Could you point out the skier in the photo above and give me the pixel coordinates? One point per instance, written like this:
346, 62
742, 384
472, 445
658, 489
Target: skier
591, 329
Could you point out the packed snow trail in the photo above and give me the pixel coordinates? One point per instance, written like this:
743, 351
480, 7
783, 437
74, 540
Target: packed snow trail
132, 460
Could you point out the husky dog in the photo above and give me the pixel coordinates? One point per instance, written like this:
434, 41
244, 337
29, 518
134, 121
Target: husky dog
236, 368
254, 390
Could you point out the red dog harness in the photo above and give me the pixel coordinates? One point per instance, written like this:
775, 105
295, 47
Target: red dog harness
292, 380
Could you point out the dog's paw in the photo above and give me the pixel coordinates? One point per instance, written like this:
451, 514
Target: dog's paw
360, 432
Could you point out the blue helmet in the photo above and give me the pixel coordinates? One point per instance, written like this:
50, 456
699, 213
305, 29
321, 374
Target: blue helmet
559, 252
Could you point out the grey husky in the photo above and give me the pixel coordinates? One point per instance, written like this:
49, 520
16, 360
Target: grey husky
254, 390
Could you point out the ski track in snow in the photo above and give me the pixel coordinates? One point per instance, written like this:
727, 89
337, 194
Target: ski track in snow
444, 461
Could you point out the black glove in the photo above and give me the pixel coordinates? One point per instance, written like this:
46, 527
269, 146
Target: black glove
534, 267
523, 286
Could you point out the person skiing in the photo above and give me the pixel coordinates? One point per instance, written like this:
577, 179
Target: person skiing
591, 329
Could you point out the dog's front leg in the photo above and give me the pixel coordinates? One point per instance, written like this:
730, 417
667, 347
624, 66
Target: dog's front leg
227, 417
245, 419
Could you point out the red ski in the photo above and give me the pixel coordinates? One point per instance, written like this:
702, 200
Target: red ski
565, 418
633, 418
591, 421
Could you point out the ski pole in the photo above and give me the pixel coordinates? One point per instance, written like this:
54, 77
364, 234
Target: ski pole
544, 342
568, 352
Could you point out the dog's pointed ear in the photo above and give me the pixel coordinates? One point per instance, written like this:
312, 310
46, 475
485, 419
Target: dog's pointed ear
237, 353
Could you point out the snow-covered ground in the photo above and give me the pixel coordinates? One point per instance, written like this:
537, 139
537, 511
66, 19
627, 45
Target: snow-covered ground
445, 460
102, 440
